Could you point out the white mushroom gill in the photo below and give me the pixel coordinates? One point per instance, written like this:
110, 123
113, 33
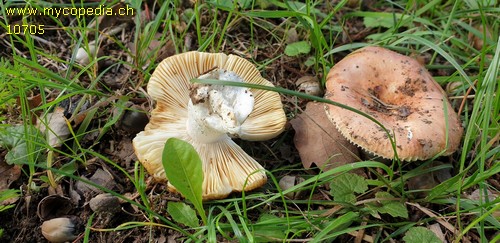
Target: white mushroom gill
215, 111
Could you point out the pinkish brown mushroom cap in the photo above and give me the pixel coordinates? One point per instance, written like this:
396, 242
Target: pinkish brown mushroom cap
401, 94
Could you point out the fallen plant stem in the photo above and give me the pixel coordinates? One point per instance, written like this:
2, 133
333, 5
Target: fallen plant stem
462, 97
360, 235
465, 97
375, 200
440, 220
50, 175
129, 225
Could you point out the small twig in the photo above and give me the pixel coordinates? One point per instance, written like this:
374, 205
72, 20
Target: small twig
433, 215
360, 236
462, 97
305, 217
331, 211
15, 49
49, 43
375, 200
367, 238
50, 176
465, 97
112, 31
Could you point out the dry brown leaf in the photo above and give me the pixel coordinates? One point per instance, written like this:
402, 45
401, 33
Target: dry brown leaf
55, 127
33, 102
477, 194
292, 36
436, 229
319, 142
8, 174
476, 41
439, 218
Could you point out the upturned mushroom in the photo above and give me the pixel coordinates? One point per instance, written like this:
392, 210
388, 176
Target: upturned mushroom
208, 116
401, 94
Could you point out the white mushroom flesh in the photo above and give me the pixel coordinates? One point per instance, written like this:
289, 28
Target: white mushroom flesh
215, 111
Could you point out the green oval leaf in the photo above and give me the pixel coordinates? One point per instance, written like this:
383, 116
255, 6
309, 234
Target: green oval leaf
183, 167
420, 234
297, 48
183, 214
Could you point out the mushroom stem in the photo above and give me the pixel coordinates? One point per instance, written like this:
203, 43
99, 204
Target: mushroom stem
216, 111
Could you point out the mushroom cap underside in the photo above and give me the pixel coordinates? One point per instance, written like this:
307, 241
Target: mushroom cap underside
399, 93
224, 162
